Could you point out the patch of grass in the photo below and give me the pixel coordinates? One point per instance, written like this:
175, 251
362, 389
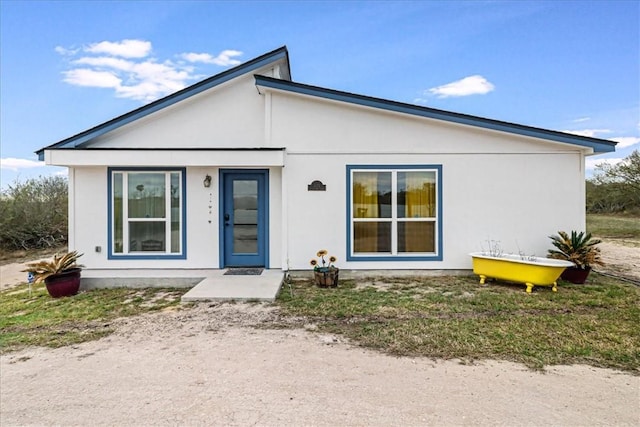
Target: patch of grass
40, 320
614, 226
454, 317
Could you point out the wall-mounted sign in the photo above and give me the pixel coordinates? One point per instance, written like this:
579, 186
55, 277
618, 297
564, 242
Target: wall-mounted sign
317, 186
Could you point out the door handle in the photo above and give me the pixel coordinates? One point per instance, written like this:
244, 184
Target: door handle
226, 219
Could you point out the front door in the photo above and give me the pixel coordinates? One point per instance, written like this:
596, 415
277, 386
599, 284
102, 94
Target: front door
244, 218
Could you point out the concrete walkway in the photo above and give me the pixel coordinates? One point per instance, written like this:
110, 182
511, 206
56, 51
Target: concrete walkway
218, 287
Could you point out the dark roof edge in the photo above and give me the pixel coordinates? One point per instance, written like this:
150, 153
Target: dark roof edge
168, 100
598, 145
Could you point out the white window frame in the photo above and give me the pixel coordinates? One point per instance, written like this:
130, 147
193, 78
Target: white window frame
394, 255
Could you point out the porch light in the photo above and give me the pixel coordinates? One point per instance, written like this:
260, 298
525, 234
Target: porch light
207, 181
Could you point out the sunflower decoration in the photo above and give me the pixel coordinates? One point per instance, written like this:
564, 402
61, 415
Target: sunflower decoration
322, 264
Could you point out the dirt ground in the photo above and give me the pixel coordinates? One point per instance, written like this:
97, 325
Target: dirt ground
214, 364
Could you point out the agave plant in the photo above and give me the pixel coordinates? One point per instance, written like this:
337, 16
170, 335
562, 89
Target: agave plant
579, 248
58, 264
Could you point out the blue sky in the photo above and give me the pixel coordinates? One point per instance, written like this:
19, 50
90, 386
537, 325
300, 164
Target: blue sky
563, 65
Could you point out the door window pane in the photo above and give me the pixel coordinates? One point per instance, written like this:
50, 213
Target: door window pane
245, 216
146, 193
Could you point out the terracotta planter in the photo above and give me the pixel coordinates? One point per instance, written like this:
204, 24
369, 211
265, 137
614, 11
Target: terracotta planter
326, 278
575, 275
64, 284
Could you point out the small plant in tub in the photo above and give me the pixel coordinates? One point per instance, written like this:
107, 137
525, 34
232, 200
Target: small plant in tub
578, 248
325, 273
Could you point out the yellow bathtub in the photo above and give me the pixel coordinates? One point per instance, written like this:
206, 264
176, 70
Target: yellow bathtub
532, 271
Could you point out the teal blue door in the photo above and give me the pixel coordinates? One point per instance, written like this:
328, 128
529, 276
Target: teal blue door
244, 218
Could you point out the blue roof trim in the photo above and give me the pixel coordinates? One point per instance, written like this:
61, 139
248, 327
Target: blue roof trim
247, 67
598, 145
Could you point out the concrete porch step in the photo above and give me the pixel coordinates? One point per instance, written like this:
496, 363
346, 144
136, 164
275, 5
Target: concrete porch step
218, 287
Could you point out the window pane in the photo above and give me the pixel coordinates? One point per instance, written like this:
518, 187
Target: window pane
416, 236
117, 213
245, 216
416, 194
372, 194
372, 237
175, 212
147, 236
146, 193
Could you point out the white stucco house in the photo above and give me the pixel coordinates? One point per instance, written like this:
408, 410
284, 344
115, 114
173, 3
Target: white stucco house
249, 168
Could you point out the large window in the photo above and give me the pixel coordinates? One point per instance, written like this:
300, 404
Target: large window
394, 212
146, 213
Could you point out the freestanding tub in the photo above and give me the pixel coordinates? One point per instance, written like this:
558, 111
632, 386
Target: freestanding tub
532, 271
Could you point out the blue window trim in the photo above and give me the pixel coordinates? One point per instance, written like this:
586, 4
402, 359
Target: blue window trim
183, 178
437, 256
265, 206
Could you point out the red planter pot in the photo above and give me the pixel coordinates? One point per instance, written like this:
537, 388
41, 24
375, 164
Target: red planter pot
63, 284
575, 275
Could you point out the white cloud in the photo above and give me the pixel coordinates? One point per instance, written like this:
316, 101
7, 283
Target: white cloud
472, 85
124, 48
223, 58
91, 78
593, 133
107, 62
14, 164
626, 141
64, 51
582, 119
590, 164
127, 68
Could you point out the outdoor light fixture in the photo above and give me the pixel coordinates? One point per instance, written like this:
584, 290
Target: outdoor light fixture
207, 181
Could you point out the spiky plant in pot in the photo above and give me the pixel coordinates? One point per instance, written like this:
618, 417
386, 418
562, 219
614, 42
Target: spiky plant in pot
579, 248
61, 274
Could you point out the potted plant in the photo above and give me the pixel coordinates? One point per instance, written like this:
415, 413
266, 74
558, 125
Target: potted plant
327, 274
61, 275
580, 249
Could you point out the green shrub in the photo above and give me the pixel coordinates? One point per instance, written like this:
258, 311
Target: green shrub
33, 214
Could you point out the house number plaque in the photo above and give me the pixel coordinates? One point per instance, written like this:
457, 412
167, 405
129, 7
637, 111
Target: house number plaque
317, 186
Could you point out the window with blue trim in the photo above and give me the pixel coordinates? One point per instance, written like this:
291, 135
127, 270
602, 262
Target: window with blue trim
394, 212
146, 213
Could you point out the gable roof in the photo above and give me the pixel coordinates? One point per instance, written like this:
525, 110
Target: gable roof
598, 145
280, 54
285, 84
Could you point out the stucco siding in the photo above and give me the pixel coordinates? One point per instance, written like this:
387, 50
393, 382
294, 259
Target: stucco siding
331, 127
89, 207
229, 115
517, 199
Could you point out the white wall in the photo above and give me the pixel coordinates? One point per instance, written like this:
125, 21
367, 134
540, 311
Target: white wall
516, 199
228, 116
514, 189
89, 208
